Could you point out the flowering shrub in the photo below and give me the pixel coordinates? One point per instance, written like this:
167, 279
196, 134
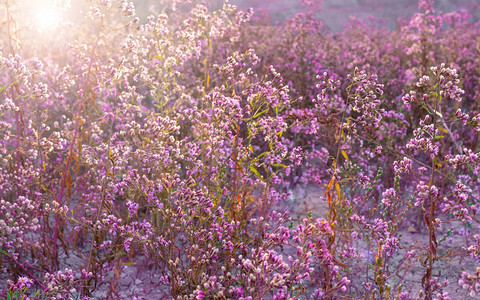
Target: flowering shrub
172, 144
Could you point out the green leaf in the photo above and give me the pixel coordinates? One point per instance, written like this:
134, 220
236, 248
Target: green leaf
437, 163
1, 251
260, 113
256, 172
7, 85
3, 88
426, 108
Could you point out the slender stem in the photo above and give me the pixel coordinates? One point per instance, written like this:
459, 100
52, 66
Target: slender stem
74, 138
407, 156
21, 266
444, 124
430, 220
17, 113
62, 189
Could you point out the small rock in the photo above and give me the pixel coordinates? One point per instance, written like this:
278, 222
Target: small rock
411, 229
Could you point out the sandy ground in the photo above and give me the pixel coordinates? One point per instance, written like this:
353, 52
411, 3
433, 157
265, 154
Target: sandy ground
311, 199
146, 284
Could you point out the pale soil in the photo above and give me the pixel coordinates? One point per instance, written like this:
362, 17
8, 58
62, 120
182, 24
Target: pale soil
311, 199
141, 281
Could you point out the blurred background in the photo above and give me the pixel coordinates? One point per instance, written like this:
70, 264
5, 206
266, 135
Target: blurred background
336, 12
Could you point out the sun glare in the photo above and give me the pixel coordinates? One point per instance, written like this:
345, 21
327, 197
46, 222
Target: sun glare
47, 18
